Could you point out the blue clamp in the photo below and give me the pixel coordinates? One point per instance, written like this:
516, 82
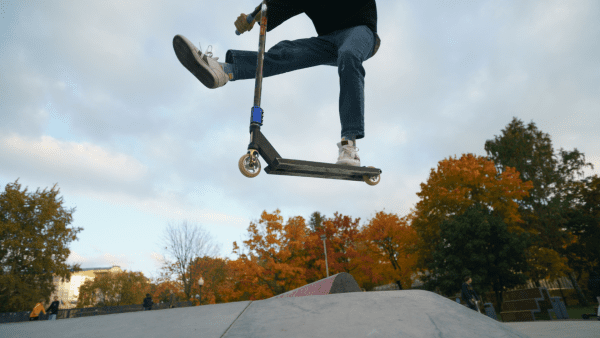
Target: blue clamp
256, 115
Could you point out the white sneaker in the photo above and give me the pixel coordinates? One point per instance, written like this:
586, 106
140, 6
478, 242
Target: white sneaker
204, 67
348, 154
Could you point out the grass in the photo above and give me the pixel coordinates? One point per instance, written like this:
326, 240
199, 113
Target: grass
576, 312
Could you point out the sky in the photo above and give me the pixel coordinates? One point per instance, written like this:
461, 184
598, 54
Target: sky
93, 99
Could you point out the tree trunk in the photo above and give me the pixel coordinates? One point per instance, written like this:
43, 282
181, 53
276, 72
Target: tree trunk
399, 285
498, 302
580, 296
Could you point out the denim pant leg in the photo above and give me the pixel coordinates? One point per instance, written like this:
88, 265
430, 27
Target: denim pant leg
355, 45
347, 49
286, 56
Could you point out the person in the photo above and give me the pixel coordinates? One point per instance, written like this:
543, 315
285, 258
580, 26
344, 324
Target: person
594, 287
347, 36
148, 302
468, 294
35, 314
53, 309
172, 300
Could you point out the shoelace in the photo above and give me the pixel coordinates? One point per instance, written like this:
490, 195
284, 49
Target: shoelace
208, 52
348, 150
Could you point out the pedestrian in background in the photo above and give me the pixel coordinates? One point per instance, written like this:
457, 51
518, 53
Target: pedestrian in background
173, 299
35, 314
53, 309
594, 286
468, 294
148, 302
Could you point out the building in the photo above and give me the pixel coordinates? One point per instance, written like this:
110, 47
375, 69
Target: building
68, 291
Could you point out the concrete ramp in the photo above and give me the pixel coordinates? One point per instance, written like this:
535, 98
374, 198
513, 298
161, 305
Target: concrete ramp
409, 313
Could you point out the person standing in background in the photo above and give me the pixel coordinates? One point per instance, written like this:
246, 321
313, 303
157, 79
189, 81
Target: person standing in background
35, 314
468, 293
53, 309
148, 302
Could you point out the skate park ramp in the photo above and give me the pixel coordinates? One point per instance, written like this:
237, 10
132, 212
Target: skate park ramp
406, 313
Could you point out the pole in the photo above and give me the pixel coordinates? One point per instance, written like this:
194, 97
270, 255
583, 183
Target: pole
325, 249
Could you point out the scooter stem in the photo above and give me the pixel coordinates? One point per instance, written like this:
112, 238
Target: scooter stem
261, 53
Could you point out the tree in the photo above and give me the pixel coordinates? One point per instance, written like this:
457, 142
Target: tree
34, 245
530, 152
346, 251
455, 186
214, 272
113, 289
478, 243
186, 243
162, 291
316, 221
583, 217
390, 240
276, 259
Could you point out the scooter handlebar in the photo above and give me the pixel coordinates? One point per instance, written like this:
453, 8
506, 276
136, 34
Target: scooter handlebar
249, 19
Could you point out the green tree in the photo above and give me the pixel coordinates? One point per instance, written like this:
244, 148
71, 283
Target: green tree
478, 243
544, 211
316, 221
583, 218
34, 245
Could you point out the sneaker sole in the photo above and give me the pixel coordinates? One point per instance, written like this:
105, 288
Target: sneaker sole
188, 55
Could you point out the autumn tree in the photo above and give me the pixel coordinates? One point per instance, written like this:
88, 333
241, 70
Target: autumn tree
164, 285
544, 211
477, 243
34, 245
275, 261
390, 240
455, 186
184, 244
346, 251
214, 272
114, 289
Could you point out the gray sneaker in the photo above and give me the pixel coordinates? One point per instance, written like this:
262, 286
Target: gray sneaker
204, 67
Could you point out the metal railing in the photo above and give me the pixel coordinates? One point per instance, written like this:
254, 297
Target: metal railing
23, 316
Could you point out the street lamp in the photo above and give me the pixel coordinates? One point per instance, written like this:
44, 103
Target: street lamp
200, 283
325, 248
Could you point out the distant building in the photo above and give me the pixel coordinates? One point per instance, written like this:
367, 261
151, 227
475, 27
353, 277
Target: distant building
68, 291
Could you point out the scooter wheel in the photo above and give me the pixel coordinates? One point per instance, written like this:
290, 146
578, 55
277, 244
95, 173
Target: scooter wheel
249, 165
372, 180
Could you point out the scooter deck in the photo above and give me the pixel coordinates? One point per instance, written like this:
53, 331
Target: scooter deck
282, 166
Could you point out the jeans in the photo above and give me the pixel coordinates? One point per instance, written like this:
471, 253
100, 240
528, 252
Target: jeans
346, 49
52, 317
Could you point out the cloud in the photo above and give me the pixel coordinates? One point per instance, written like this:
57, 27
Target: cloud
80, 166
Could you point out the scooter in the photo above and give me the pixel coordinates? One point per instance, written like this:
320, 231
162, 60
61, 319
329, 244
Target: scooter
249, 163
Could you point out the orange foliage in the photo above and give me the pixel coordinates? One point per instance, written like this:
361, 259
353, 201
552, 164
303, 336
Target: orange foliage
271, 267
459, 183
390, 241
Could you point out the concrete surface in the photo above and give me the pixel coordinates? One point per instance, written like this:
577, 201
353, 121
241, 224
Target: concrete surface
407, 313
559, 328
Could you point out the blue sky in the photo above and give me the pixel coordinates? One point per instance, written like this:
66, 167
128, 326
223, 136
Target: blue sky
93, 98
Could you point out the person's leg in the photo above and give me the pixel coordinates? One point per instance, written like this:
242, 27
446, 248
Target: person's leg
286, 56
598, 314
355, 45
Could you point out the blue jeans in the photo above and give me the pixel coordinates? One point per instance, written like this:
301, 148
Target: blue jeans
52, 317
346, 49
